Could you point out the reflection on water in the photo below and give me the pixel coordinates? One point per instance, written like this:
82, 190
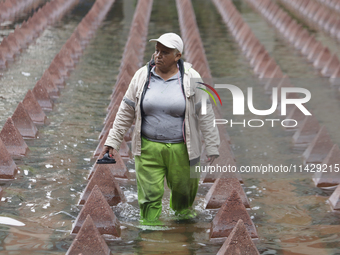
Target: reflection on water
291, 215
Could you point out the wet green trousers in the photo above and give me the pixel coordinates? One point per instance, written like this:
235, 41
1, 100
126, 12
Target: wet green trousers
159, 160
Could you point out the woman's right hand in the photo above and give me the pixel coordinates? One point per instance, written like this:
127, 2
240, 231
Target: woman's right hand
110, 150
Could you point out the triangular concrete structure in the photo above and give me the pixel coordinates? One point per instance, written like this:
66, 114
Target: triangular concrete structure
119, 169
329, 176
23, 122
42, 96
334, 199
221, 190
47, 82
11, 137
8, 168
315, 52
319, 148
33, 108
88, 241
101, 213
228, 215
238, 242
335, 78
323, 58
107, 185
297, 115
332, 65
306, 132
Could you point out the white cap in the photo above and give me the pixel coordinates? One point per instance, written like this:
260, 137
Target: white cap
170, 40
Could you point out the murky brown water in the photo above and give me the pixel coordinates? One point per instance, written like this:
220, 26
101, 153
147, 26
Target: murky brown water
290, 214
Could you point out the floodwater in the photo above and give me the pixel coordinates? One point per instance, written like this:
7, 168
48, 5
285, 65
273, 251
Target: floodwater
40, 205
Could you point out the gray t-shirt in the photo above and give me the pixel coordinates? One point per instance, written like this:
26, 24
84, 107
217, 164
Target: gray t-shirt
164, 109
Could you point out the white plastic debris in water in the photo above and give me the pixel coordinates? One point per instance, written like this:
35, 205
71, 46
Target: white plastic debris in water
48, 166
25, 74
10, 221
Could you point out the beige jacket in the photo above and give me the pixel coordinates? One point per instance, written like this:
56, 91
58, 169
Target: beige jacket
129, 111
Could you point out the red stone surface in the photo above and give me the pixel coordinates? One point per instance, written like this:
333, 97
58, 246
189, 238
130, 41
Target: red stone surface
312, 56
238, 242
308, 47
221, 191
47, 82
330, 176
33, 108
322, 59
8, 168
101, 213
319, 148
226, 158
332, 65
41, 95
273, 81
295, 114
23, 122
119, 170
124, 150
88, 241
268, 70
108, 185
228, 215
306, 132
13, 140
335, 78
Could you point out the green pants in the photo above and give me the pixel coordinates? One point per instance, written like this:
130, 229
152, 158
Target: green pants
159, 160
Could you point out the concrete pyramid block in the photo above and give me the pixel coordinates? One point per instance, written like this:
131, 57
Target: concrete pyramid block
332, 65
228, 215
119, 170
274, 80
269, 70
323, 58
306, 132
101, 213
334, 199
88, 241
319, 148
23, 122
238, 242
330, 176
295, 114
315, 52
226, 160
221, 190
335, 78
107, 184
308, 47
261, 65
8, 168
41, 95
13, 140
33, 108
47, 82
